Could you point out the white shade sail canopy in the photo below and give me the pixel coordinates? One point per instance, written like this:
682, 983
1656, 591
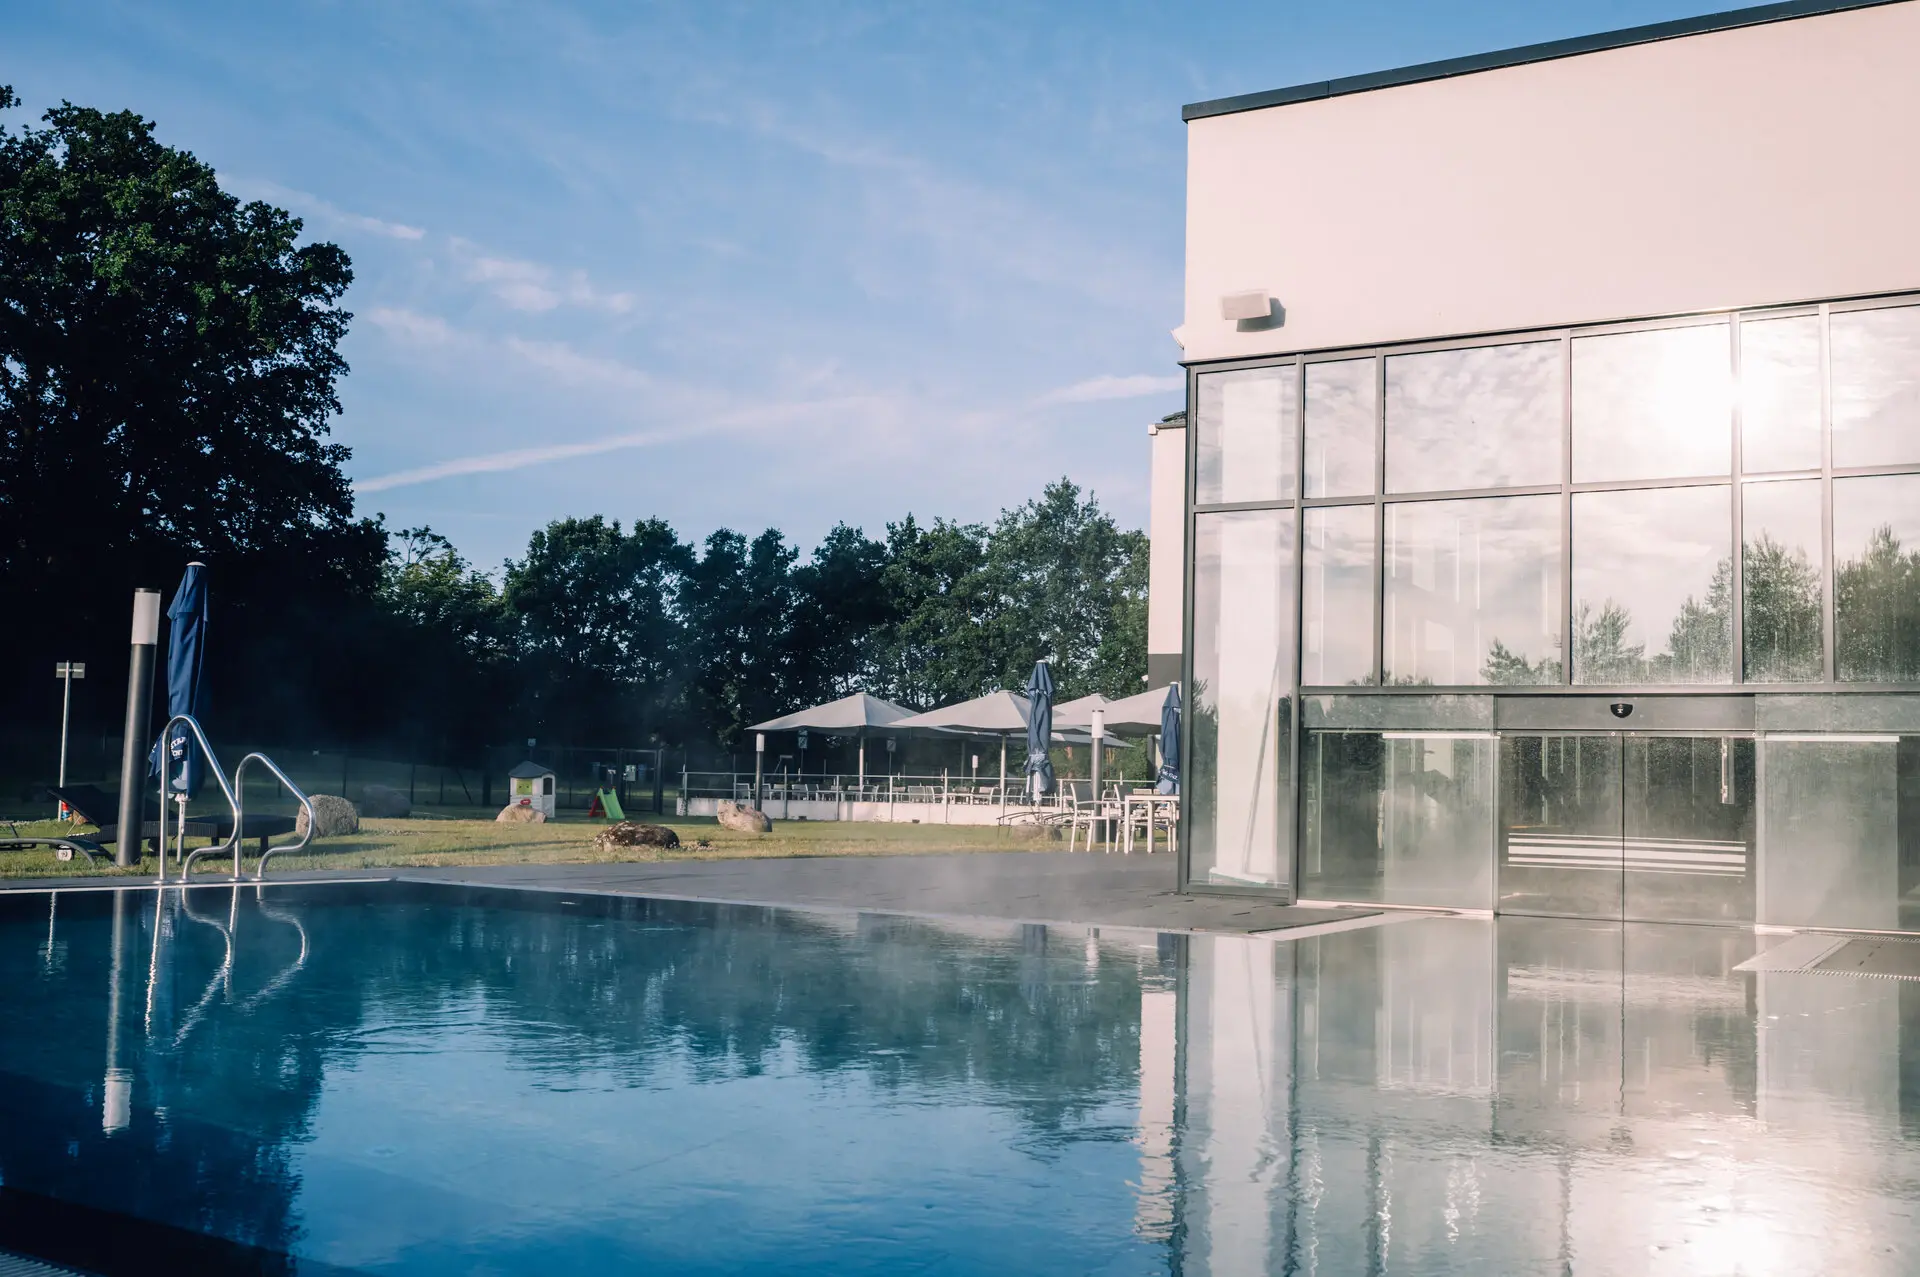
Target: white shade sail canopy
848, 716
1137, 715
995, 714
1078, 713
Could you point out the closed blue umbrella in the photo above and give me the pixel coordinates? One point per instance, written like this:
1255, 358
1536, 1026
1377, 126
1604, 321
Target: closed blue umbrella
1040, 729
186, 653
1169, 780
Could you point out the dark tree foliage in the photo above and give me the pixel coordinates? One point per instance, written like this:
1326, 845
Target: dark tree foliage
594, 631
168, 362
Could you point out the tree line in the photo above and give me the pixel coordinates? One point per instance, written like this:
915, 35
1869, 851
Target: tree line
605, 633
169, 372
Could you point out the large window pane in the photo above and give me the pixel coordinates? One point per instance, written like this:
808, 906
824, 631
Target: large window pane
1652, 586
1652, 405
1876, 386
1485, 417
1780, 394
1341, 437
1876, 578
1248, 428
1473, 591
1240, 703
1780, 579
1337, 610
1830, 849
1401, 818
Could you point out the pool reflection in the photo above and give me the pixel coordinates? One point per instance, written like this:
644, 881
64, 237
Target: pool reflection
412, 1081
1538, 1095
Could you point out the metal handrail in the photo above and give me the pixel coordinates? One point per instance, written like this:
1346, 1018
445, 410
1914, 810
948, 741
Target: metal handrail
306, 804
233, 803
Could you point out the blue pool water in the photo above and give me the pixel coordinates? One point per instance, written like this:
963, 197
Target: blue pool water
426, 1080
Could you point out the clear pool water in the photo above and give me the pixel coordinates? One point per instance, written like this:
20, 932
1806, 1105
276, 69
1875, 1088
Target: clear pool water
415, 1079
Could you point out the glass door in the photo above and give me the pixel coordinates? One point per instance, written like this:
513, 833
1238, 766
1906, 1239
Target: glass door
1649, 828
1561, 846
1688, 828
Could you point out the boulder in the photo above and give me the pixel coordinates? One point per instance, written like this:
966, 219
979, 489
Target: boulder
333, 816
747, 820
518, 815
383, 803
631, 833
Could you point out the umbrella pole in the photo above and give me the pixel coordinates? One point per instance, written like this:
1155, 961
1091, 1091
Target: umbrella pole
862, 788
1003, 766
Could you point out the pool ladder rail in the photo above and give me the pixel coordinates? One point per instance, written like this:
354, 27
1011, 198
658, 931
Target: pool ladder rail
234, 791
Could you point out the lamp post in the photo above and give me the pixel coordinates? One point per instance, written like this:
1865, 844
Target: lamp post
134, 742
66, 672
1099, 734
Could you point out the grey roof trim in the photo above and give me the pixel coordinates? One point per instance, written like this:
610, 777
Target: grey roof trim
1552, 49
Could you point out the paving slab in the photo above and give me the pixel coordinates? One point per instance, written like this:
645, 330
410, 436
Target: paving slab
1052, 887
1060, 888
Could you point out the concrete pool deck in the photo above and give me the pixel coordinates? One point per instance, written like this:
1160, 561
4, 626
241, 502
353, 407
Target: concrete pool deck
1057, 888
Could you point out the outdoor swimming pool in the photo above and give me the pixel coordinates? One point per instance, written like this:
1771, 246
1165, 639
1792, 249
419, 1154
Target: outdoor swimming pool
393, 1078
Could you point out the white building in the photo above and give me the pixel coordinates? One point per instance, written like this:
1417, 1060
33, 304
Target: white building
1546, 537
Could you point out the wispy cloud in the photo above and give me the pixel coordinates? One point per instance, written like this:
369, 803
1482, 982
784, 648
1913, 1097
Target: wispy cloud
425, 330
1096, 389
568, 366
313, 206
750, 418
530, 286
516, 459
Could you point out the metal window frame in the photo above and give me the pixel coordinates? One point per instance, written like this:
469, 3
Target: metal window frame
1564, 334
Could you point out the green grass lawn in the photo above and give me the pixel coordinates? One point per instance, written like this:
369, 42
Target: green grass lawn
441, 841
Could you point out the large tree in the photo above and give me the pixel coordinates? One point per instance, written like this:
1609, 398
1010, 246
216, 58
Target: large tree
168, 364
599, 635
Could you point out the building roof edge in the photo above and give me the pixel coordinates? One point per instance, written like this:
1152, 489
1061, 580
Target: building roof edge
1731, 19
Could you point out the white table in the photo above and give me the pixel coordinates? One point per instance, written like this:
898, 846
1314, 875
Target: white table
1152, 803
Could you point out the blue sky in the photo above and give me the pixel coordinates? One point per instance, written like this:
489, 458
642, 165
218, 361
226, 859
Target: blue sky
740, 265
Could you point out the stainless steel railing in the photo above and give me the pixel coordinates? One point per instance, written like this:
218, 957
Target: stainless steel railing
306, 805
235, 792
166, 780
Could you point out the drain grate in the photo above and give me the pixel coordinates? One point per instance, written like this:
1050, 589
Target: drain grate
1889, 957
12, 1265
1894, 959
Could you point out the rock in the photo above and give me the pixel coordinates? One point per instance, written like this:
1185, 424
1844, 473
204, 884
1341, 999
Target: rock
333, 816
518, 815
1034, 831
747, 820
382, 803
631, 833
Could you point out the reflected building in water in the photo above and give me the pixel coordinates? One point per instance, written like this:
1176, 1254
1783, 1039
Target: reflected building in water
1552, 530
1540, 1095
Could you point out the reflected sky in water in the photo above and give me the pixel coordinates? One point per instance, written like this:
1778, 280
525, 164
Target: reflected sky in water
438, 1081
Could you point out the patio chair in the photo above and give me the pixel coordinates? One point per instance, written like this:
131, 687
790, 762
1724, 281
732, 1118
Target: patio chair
1085, 811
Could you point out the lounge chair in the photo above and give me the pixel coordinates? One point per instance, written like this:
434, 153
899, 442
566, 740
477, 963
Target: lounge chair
98, 807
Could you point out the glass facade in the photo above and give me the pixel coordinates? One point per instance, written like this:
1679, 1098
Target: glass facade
1472, 591
1477, 417
1652, 586
1240, 730
1623, 540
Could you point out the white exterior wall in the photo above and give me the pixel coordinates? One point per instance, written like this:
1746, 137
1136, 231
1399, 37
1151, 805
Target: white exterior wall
1167, 558
1745, 167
